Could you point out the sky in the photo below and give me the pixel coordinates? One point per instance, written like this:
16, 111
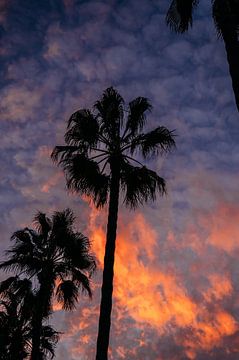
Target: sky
176, 288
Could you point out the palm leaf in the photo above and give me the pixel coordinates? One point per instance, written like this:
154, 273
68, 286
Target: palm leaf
49, 340
110, 112
82, 280
67, 294
157, 140
22, 236
226, 16
21, 263
5, 285
136, 118
83, 129
62, 153
140, 185
179, 15
42, 224
83, 176
62, 222
77, 251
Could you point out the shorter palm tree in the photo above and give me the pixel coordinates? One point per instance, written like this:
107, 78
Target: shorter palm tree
15, 316
16, 309
59, 259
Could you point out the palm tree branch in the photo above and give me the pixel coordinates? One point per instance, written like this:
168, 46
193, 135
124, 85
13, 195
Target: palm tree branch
136, 117
140, 185
179, 15
83, 176
155, 141
67, 294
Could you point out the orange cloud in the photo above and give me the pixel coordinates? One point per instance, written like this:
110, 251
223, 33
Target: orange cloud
158, 297
224, 228
51, 182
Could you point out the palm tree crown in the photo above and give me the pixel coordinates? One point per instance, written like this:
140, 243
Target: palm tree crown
99, 141
98, 160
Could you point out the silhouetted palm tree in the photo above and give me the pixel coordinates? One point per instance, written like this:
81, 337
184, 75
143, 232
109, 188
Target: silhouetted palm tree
15, 316
17, 301
226, 17
98, 162
60, 260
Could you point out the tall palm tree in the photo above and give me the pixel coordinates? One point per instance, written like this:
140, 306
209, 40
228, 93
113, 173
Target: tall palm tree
17, 301
226, 18
98, 162
59, 259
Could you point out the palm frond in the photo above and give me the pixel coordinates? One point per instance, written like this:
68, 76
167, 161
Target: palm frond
155, 141
49, 340
67, 294
226, 16
77, 251
110, 112
62, 221
12, 264
27, 306
136, 118
42, 224
179, 15
5, 285
83, 129
21, 263
83, 281
19, 287
22, 236
84, 177
61, 153
140, 185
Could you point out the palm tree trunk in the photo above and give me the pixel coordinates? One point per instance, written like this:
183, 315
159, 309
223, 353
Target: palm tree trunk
225, 14
42, 298
37, 327
232, 49
108, 272
36, 335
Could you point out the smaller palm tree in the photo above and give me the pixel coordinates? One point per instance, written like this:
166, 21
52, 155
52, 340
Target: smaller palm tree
16, 309
15, 313
59, 259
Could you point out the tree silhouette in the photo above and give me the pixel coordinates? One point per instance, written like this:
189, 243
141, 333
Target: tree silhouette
15, 316
226, 18
59, 259
98, 162
17, 304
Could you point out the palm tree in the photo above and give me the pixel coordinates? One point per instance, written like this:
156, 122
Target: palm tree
59, 259
226, 18
98, 162
17, 301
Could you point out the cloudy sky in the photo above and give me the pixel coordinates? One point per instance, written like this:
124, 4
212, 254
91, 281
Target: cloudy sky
176, 294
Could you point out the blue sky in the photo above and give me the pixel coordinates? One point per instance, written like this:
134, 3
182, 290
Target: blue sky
59, 56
